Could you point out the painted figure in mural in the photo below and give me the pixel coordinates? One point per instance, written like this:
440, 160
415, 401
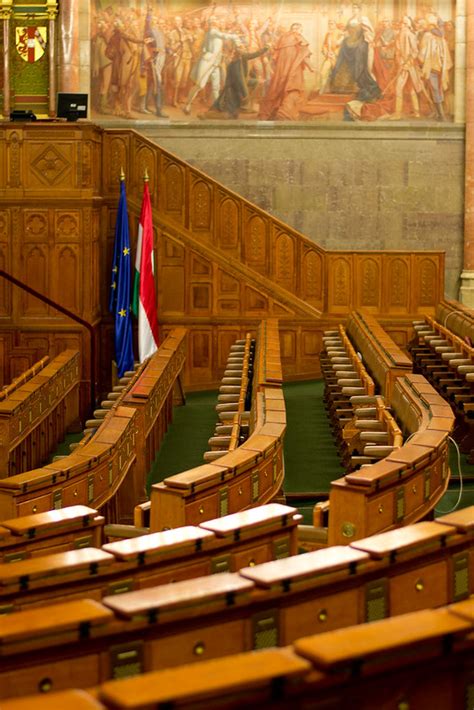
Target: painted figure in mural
435, 62
101, 66
384, 53
354, 66
286, 93
238, 85
208, 65
408, 74
331, 44
181, 49
155, 42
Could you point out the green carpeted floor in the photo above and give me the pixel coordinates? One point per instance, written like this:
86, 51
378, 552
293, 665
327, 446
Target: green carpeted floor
186, 439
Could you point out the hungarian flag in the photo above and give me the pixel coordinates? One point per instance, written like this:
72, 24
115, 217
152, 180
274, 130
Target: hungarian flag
119, 302
144, 296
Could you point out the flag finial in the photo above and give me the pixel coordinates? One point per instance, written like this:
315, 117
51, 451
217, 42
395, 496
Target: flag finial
145, 175
122, 174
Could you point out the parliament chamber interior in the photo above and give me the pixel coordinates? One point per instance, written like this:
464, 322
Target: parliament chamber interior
236, 355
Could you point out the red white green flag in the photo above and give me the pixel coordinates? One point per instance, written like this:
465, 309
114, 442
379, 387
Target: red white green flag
144, 296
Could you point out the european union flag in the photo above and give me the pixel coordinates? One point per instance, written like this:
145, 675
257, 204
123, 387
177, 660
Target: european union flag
119, 303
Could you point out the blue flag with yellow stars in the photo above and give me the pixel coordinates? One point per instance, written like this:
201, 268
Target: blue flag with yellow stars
119, 303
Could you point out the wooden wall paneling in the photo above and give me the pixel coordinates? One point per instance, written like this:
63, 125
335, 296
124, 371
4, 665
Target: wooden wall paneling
4, 348
425, 283
5, 263
172, 287
145, 162
199, 286
200, 355
340, 288
228, 224
284, 260
228, 294
289, 349
312, 284
173, 185
397, 283
255, 241
368, 283
14, 155
51, 162
116, 155
255, 303
91, 270
66, 286
310, 346
201, 207
35, 273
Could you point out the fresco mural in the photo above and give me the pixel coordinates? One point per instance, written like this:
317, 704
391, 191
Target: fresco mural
277, 61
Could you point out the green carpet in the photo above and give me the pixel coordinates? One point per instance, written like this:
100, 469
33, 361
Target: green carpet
186, 439
311, 458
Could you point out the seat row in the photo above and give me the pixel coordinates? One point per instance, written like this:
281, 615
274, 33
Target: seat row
84, 642
251, 474
233, 401
119, 451
36, 411
416, 661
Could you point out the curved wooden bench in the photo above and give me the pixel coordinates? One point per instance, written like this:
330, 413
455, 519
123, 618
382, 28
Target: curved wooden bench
407, 484
417, 567
250, 475
93, 474
223, 545
36, 411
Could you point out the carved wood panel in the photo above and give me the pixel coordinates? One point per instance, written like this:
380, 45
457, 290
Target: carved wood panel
173, 189
50, 165
369, 283
397, 284
201, 203
67, 226
285, 262
66, 266
426, 278
312, 277
228, 221
36, 274
144, 163
255, 243
116, 152
339, 284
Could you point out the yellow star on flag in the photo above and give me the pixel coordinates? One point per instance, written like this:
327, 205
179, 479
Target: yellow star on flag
122, 313
114, 285
115, 269
126, 251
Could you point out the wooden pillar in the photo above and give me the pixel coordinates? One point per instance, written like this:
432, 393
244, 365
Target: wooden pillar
52, 11
69, 46
5, 14
466, 293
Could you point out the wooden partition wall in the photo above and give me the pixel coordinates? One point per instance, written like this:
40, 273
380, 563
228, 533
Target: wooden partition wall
223, 263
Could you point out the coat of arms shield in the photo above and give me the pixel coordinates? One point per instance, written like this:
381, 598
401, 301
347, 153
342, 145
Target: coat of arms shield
31, 42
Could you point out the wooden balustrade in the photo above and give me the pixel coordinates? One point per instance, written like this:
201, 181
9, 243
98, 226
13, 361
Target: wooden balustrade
82, 643
36, 412
250, 475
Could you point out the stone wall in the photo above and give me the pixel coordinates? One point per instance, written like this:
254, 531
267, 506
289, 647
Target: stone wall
382, 186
